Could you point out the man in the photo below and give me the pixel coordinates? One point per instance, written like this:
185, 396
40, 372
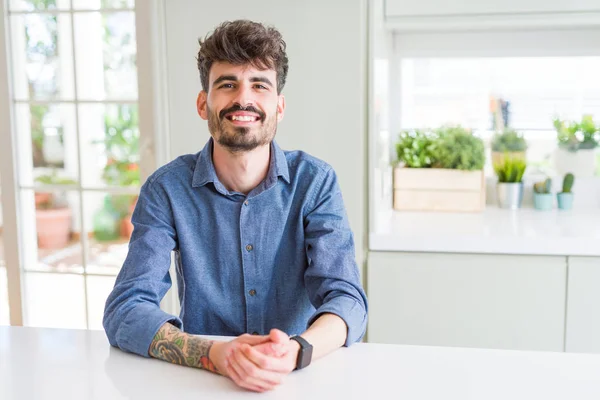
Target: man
262, 244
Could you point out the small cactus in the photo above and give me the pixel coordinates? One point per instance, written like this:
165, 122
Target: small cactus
568, 181
543, 187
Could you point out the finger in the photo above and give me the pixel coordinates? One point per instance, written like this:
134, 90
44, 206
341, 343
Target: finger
235, 372
278, 336
265, 362
238, 381
250, 370
252, 340
244, 381
271, 349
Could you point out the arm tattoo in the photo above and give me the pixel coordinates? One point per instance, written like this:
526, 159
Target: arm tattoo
174, 346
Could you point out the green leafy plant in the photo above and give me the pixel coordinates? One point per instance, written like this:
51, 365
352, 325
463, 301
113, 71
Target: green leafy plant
590, 132
121, 143
457, 148
544, 187
511, 170
509, 141
415, 148
568, 182
52, 200
573, 135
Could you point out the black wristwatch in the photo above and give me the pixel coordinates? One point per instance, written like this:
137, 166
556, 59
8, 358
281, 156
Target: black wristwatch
305, 352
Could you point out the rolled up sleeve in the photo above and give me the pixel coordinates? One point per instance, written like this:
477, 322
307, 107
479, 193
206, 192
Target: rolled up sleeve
332, 278
132, 314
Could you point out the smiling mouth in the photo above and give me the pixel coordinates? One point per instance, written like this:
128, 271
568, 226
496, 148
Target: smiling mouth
242, 119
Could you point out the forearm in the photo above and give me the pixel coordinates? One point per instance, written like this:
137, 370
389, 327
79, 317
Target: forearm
326, 334
177, 347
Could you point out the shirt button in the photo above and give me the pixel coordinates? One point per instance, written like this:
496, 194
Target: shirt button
255, 333
252, 292
246, 203
249, 247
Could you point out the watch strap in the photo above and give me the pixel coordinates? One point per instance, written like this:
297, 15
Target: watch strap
304, 354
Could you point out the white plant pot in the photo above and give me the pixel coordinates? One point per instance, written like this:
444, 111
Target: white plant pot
581, 163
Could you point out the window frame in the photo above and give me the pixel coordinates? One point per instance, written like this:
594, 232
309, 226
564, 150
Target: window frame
153, 127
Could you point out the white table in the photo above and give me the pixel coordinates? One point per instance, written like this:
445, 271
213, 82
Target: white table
70, 364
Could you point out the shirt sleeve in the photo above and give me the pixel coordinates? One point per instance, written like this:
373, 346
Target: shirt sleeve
132, 314
332, 278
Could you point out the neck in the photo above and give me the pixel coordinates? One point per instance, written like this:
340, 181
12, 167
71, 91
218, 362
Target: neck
241, 171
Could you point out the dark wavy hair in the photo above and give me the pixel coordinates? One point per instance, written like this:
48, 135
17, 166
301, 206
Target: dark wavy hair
244, 42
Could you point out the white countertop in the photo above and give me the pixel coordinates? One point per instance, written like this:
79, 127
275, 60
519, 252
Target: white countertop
70, 364
494, 231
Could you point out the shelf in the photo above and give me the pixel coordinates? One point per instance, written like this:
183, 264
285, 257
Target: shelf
494, 231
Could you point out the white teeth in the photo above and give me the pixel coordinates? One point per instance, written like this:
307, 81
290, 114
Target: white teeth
244, 118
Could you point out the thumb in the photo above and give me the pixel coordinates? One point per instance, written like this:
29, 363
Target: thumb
278, 336
253, 340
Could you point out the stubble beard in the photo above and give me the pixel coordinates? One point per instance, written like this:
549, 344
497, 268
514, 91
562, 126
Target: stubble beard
238, 139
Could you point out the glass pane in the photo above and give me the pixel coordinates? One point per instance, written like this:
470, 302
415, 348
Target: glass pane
52, 238
42, 56
108, 225
98, 288
106, 55
438, 91
50, 156
33, 5
54, 300
109, 145
98, 4
487, 94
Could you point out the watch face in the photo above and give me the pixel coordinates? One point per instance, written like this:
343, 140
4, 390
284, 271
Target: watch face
304, 354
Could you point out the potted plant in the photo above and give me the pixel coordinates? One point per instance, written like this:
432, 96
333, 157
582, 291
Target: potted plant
542, 195
508, 143
577, 142
415, 148
126, 225
509, 189
439, 170
121, 144
565, 198
53, 214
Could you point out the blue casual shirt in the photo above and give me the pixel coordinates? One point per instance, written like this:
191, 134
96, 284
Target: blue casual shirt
276, 258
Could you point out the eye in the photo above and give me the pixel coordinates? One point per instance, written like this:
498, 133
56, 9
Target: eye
261, 87
226, 86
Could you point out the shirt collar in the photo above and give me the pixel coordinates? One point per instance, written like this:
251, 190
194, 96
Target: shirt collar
204, 171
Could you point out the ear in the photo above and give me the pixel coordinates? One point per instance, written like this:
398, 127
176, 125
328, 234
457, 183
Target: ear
280, 107
201, 105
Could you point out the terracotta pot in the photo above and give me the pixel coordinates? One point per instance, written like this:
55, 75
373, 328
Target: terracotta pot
42, 198
53, 227
126, 227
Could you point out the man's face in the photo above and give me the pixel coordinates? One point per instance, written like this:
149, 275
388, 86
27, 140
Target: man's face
242, 106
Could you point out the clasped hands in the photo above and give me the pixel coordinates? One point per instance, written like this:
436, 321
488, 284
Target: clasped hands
257, 363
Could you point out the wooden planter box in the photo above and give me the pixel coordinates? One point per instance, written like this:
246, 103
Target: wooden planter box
436, 189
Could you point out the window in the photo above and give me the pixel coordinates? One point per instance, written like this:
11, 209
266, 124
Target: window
534, 90
75, 115
455, 76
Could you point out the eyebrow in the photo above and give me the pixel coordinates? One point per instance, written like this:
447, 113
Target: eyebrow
261, 79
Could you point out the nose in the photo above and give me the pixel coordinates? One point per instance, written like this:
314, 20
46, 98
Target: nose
244, 96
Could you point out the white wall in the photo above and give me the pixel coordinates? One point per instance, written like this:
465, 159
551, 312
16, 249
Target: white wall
325, 91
